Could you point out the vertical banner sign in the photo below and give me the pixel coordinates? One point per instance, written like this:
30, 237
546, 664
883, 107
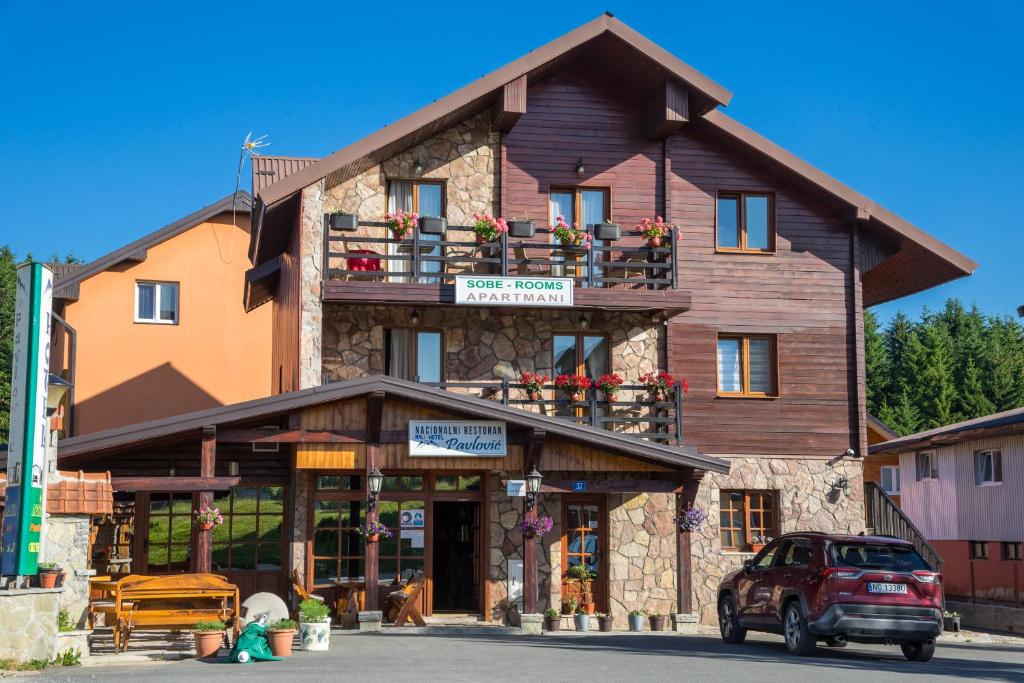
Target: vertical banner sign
29, 428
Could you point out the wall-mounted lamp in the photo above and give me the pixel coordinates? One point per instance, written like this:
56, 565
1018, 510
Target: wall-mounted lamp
533, 478
415, 317
584, 321
580, 168
375, 479
172, 471
417, 167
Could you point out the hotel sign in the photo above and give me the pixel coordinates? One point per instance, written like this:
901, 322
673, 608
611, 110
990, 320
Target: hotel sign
496, 290
457, 438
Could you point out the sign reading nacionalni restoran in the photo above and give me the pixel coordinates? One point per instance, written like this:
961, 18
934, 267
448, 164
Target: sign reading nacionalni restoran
496, 290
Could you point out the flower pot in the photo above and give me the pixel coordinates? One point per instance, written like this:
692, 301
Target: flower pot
521, 229
207, 643
533, 395
430, 225
576, 398
48, 578
281, 641
658, 396
611, 396
636, 622
605, 623
756, 547
565, 609
654, 242
607, 231
659, 623
398, 235
589, 607
206, 526
344, 222
552, 623
582, 622
315, 636
951, 624
373, 538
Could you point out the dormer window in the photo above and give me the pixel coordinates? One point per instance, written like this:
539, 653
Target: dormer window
745, 222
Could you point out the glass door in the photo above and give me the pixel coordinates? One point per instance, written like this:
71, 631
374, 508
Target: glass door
584, 547
169, 539
579, 354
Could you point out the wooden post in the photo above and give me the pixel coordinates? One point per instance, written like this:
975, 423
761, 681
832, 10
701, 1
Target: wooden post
207, 467
529, 566
372, 549
684, 566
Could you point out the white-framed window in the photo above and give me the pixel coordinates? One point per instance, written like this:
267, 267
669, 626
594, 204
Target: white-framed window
988, 468
927, 466
156, 302
891, 480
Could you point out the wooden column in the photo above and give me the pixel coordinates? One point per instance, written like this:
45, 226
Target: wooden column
372, 549
684, 563
534, 450
207, 465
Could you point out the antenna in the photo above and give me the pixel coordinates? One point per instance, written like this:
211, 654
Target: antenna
249, 148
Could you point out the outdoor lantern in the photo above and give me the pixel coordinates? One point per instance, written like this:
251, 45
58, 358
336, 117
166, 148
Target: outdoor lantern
417, 167
375, 479
533, 478
56, 387
580, 169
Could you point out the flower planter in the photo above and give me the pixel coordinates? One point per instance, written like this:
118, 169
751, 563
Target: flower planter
607, 231
533, 395
48, 578
636, 622
281, 641
344, 222
951, 624
207, 526
552, 623
611, 396
315, 636
659, 623
373, 538
207, 643
582, 622
654, 242
576, 398
658, 397
756, 547
521, 229
605, 623
590, 608
433, 226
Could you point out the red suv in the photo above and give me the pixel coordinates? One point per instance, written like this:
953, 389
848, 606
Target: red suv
812, 586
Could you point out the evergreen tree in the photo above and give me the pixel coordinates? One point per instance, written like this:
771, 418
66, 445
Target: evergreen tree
8, 285
877, 364
971, 399
934, 390
903, 417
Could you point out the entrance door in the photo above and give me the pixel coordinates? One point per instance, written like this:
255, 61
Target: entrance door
456, 578
585, 543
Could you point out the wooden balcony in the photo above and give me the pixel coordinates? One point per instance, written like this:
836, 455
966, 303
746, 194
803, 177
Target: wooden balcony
371, 267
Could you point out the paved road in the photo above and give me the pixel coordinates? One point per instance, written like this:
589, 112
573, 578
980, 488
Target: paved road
456, 655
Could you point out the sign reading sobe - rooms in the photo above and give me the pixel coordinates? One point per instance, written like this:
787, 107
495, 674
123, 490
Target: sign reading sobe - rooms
457, 438
495, 290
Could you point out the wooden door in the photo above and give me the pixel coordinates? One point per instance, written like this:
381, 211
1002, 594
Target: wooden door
585, 542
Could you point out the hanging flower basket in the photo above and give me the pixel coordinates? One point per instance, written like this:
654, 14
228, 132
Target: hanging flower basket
570, 235
655, 231
401, 223
661, 385
533, 383
372, 531
532, 528
488, 228
208, 518
691, 520
573, 385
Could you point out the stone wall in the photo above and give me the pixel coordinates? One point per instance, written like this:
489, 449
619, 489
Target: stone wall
67, 544
28, 623
310, 286
300, 521
642, 553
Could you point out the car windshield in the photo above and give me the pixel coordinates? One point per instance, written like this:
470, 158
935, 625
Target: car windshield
892, 558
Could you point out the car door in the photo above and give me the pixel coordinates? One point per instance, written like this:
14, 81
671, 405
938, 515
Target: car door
790, 573
754, 586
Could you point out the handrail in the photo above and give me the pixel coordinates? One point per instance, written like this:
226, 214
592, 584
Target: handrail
887, 519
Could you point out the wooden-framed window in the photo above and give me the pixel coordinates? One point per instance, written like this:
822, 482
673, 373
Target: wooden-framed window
745, 516
156, 302
1011, 551
251, 537
745, 222
414, 354
339, 508
979, 550
426, 198
169, 538
405, 515
579, 353
988, 468
926, 465
748, 365
583, 205
890, 476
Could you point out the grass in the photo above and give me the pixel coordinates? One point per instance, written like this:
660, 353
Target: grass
70, 657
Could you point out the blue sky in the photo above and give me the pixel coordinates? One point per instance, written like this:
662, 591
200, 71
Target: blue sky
119, 119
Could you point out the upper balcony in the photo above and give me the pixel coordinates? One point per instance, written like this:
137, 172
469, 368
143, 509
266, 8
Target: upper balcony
367, 265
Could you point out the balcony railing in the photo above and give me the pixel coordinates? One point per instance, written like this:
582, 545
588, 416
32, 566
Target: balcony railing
372, 254
634, 413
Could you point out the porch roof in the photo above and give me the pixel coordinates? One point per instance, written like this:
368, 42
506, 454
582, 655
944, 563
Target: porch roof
190, 424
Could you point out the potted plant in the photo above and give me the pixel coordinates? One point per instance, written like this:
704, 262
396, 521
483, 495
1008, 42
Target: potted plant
758, 542
573, 385
570, 605
951, 621
487, 228
372, 530
660, 385
314, 625
605, 622
208, 636
609, 383
401, 223
584, 578
433, 225
344, 222
607, 231
522, 228
570, 235
636, 620
207, 518
280, 635
534, 384
532, 528
581, 619
654, 231
691, 520
659, 622
552, 619
48, 573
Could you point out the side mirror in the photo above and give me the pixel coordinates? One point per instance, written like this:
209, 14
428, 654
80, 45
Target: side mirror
748, 566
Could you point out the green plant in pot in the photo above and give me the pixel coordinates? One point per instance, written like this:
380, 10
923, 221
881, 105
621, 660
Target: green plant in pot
659, 622
570, 605
584, 578
636, 620
314, 625
208, 636
48, 573
581, 619
280, 635
605, 622
552, 619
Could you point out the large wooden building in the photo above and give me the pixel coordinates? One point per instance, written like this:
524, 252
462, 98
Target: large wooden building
753, 301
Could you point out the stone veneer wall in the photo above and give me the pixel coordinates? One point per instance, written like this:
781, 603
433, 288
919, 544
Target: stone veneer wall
642, 554
67, 544
28, 623
311, 284
300, 521
807, 503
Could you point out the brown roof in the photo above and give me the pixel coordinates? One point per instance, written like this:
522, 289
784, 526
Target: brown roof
66, 284
74, 493
267, 170
880, 427
189, 423
997, 424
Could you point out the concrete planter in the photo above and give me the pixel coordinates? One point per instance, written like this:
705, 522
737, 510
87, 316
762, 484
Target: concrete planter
344, 222
315, 636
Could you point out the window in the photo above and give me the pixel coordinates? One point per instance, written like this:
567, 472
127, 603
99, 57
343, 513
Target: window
583, 205
746, 222
339, 507
426, 198
891, 480
156, 302
169, 542
979, 550
404, 551
579, 354
250, 539
927, 466
415, 355
744, 515
883, 557
988, 468
1011, 551
797, 554
747, 366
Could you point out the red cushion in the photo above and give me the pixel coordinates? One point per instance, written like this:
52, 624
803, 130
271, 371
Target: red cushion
362, 264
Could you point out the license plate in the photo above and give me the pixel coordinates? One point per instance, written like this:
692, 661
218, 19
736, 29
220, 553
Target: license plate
887, 588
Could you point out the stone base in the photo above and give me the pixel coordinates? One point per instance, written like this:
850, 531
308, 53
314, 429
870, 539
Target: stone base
685, 623
34, 611
1005, 618
369, 622
73, 640
531, 624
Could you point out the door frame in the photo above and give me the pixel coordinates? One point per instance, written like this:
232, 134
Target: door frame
601, 584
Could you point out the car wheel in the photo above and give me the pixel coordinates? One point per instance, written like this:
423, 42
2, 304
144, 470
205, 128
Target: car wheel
799, 640
729, 622
833, 642
919, 652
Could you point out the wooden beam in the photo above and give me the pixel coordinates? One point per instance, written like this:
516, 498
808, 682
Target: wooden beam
204, 499
371, 569
667, 110
291, 436
684, 557
627, 486
374, 416
173, 484
510, 105
534, 450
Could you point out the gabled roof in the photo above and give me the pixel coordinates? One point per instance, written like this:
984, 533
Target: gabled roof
997, 424
190, 423
881, 428
66, 284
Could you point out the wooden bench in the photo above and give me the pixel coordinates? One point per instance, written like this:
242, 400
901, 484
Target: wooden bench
170, 602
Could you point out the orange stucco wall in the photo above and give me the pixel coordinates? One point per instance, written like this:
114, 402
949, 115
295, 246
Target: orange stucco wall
129, 372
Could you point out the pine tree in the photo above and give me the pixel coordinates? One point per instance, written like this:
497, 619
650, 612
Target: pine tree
935, 393
877, 364
971, 399
902, 417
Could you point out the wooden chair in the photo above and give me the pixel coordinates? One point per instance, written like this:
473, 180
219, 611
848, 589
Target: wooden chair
300, 593
406, 602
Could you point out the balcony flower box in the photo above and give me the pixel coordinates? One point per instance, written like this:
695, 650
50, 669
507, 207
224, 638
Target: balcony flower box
607, 231
432, 225
344, 222
521, 229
